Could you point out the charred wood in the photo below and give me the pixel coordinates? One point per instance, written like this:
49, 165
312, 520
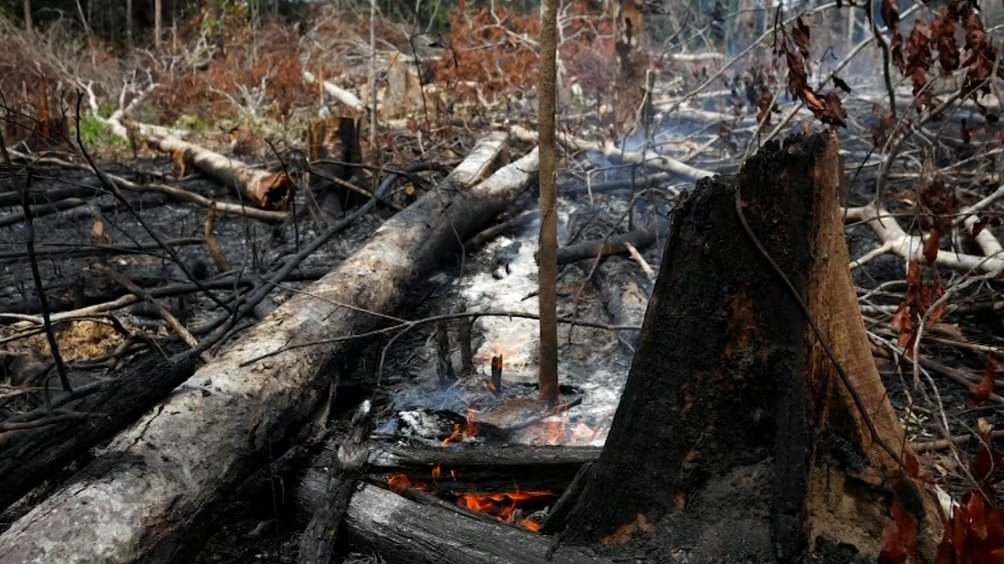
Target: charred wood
153, 486
639, 238
30, 456
405, 531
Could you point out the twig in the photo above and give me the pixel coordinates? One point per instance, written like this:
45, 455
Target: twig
409, 325
36, 275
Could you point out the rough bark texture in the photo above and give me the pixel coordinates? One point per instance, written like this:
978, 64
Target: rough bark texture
547, 255
268, 190
407, 532
735, 439
30, 456
143, 498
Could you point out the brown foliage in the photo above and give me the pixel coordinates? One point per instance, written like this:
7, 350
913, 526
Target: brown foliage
492, 55
277, 64
974, 535
794, 46
919, 298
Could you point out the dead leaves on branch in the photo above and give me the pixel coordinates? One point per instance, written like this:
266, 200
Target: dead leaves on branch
920, 297
940, 36
794, 47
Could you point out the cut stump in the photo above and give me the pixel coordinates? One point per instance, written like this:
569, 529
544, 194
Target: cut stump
736, 439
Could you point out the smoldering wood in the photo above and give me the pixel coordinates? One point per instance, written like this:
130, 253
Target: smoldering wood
480, 468
733, 418
317, 544
405, 531
156, 483
30, 456
617, 244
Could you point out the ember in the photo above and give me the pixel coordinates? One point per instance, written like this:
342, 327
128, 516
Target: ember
502, 505
461, 432
400, 482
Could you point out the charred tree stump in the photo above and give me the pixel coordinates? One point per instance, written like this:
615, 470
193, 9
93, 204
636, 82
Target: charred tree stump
736, 438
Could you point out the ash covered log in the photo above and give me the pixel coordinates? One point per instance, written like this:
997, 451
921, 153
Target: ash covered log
404, 531
268, 190
734, 417
150, 493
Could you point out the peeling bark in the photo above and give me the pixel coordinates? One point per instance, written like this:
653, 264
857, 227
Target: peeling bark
268, 190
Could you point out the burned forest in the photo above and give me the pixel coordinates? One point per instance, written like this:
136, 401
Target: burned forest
484, 281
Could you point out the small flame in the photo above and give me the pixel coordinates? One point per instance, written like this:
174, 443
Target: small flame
502, 505
436, 472
398, 482
530, 524
460, 432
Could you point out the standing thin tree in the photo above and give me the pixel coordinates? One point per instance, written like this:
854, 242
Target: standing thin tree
547, 257
27, 15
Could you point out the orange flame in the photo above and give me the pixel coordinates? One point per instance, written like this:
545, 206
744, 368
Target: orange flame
502, 505
530, 524
398, 482
460, 432
436, 472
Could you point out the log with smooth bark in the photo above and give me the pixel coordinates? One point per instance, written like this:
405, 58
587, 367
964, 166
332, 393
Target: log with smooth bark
268, 190
735, 416
149, 494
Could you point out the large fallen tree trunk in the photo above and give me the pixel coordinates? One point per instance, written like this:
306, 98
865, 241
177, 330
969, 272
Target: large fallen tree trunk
406, 532
268, 190
737, 438
31, 455
145, 495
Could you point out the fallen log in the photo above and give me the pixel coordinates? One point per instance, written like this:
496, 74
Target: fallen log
145, 497
405, 531
616, 245
611, 151
474, 468
268, 190
753, 403
318, 542
30, 456
344, 97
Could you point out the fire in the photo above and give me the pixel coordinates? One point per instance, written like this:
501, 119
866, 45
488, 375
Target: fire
436, 472
502, 505
460, 432
398, 482
530, 524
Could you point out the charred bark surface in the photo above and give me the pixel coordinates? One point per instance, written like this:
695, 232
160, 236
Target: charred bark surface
735, 439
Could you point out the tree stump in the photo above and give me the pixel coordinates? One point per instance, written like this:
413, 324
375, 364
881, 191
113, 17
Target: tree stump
736, 439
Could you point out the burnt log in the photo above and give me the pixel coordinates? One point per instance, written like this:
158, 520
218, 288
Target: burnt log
30, 456
149, 494
404, 531
737, 437
640, 239
318, 541
485, 469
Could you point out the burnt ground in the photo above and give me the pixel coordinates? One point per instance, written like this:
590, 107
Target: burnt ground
258, 525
